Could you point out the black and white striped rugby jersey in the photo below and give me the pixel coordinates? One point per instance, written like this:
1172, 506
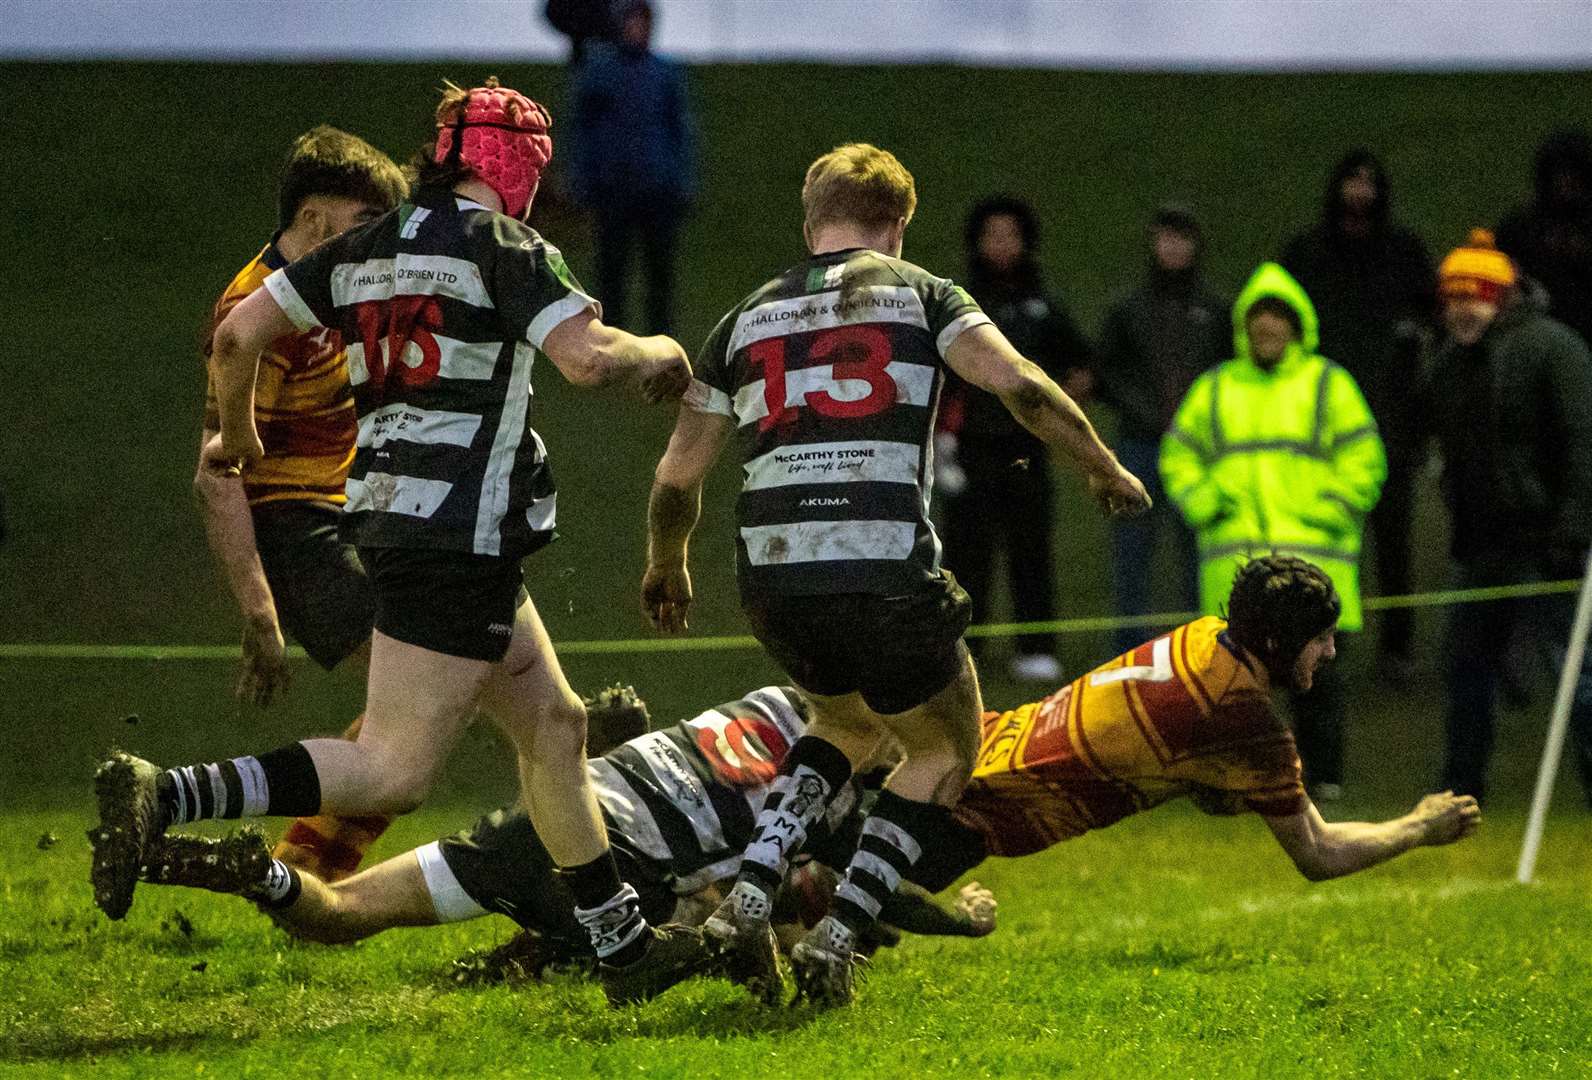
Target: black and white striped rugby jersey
832, 374
442, 305
685, 798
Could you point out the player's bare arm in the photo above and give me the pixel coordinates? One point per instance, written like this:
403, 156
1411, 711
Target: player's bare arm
1323, 850
229, 528
590, 353
248, 328
672, 514
984, 357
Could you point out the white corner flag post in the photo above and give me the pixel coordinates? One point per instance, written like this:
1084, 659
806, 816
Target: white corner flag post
1557, 727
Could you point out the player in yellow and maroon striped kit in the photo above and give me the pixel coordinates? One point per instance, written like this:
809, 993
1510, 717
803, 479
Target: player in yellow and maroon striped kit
303, 404
1183, 712
1187, 714
274, 528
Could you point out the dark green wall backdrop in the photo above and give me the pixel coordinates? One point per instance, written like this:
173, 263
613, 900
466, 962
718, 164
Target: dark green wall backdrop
134, 191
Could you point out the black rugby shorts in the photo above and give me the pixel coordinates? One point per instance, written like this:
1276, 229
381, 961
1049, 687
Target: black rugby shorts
501, 865
451, 602
896, 651
323, 597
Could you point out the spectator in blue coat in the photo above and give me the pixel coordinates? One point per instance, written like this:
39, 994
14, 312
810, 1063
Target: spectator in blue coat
633, 162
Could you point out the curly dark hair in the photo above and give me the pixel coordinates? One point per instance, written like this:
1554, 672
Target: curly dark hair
1278, 603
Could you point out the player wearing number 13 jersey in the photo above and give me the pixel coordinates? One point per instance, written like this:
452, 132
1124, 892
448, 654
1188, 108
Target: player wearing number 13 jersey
827, 378
831, 373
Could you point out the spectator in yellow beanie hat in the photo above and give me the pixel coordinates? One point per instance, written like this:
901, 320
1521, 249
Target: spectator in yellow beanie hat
1475, 283
1510, 403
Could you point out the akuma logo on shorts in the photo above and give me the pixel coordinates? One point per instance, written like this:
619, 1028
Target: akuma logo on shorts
500, 628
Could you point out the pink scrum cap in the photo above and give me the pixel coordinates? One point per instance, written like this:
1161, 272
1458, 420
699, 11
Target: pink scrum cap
503, 136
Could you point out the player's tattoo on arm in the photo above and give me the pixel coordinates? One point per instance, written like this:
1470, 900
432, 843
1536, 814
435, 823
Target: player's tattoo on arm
984, 357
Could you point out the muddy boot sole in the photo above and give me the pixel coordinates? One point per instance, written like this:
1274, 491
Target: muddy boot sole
129, 820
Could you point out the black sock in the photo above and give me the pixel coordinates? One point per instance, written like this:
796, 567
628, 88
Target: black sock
282, 783
893, 838
608, 909
594, 883
811, 774
292, 783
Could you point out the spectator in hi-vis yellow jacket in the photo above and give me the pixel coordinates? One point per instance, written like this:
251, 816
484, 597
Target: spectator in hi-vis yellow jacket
1276, 450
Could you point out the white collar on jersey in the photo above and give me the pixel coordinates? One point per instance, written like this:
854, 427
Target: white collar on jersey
469, 204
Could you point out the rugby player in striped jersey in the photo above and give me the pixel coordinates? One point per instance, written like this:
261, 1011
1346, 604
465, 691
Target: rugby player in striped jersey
679, 804
1186, 714
442, 304
273, 528
828, 378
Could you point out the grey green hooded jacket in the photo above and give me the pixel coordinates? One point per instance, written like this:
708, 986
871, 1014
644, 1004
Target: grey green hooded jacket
1286, 460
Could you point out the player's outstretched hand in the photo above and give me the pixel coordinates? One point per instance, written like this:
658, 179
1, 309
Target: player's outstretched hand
666, 597
230, 458
1120, 494
265, 672
1448, 817
978, 905
666, 377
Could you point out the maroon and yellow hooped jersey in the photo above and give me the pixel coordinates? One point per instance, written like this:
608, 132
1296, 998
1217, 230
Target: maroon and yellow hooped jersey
1183, 714
303, 405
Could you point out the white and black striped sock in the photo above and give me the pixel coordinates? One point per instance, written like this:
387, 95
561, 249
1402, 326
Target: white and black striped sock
281, 783
280, 888
813, 771
891, 843
226, 789
616, 926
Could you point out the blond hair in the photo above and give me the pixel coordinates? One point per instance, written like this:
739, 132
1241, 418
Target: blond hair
858, 183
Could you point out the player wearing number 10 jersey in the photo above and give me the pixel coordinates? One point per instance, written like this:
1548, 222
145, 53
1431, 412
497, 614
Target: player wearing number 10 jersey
828, 377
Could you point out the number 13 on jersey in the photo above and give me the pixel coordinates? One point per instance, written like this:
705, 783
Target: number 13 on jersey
860, 353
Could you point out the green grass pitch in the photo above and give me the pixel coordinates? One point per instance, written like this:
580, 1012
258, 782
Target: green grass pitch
1172, 945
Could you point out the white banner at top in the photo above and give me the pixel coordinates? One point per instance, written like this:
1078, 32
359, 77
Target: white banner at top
1097, 34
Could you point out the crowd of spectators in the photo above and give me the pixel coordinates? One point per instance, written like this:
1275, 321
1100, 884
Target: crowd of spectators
1301, 416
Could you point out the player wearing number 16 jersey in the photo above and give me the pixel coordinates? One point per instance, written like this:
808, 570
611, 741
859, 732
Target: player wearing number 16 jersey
442, 305
828, 378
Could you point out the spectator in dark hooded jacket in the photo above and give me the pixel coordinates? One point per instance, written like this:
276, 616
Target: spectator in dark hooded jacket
1375, 292
1154, 343
1550, 239
993, 473
1510, 401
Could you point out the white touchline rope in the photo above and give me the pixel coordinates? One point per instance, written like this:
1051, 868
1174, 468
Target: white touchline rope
1557, 727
